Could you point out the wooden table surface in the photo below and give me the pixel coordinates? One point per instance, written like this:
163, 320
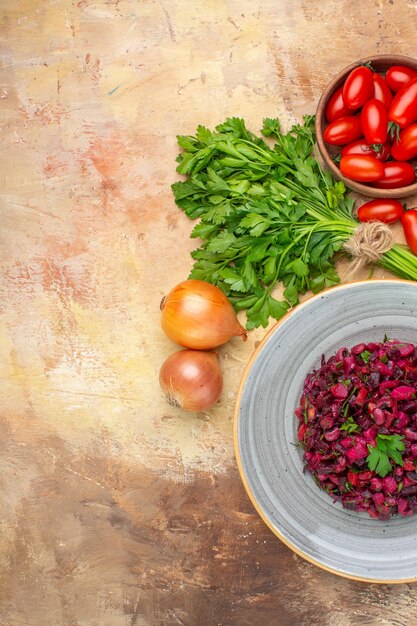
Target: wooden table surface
117, 510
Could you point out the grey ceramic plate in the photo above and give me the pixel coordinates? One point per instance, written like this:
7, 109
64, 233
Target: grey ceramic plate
303, 516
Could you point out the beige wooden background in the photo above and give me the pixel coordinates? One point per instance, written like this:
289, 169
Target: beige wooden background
117, 510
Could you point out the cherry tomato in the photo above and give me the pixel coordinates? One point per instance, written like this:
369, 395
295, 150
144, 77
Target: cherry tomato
364, 169
336, 107
409, 224
358, 87
374, 121
396, 174
405, 147
381, 90
359, 146
343, 130
382, 210
403, 109
398, 76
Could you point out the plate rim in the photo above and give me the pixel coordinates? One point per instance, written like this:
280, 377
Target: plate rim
239, 462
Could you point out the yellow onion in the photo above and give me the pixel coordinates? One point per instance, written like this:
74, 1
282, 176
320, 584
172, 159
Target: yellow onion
197, 315
191, 379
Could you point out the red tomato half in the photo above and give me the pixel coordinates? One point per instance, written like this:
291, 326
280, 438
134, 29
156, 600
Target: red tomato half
382, 210
398, 76
405, 148
374, 121
364, 169
403, 109
358, 87
359, 146
381, 91
396, 174
409, 224
336, 107
343, 130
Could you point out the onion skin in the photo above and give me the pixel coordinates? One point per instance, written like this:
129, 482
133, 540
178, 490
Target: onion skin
191, 379
197, 315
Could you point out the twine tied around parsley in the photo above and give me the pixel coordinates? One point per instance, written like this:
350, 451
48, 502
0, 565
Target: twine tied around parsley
368, 243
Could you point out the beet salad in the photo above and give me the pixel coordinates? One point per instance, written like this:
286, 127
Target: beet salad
358, 427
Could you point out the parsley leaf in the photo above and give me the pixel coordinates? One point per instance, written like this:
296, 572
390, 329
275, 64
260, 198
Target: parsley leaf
350, 426
365, 356
277, 309
388, 448
271, 127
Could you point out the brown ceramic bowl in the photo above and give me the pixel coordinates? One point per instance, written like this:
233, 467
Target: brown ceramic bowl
380, 64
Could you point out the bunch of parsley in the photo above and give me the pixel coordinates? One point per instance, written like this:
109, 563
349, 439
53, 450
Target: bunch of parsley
266, 215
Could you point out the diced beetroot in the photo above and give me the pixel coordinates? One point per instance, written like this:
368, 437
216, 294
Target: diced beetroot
413, 450
353, 478
403, 392
386, 369
358, 452
301, 432
359, 348
378, 498
332, 435
409, 491
335, 479
335, 410
340, 465
410, 434
361, 397
407, 349
389, 418
390, 484
311, 413
387, 384
408, 407
402, 420
403, 507
379, 416
339, 391
346, 442
325, 457
299, 414
384, 512
341, 353
349, 365
370, 434
374, 379
376, 484
365, 476
398, 471
326, 422
412, 476
405, 365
